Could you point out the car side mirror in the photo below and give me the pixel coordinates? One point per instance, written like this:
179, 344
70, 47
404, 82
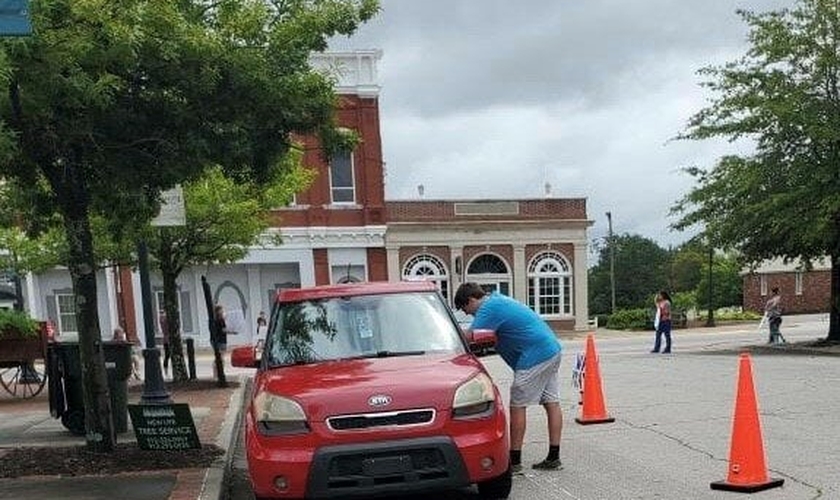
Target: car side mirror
244, 357
481, 340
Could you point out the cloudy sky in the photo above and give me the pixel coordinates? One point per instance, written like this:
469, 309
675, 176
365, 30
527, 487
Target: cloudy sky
494, 98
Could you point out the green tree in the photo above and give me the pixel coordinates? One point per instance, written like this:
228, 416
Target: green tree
687, 266
727, 283
783, 198
224, 219
113, 102
640, 272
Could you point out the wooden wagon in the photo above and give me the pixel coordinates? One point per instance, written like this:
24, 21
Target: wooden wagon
23, 371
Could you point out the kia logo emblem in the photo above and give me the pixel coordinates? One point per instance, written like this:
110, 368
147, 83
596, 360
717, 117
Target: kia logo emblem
379, 400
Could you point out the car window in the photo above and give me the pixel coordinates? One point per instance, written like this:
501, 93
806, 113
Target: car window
361, 326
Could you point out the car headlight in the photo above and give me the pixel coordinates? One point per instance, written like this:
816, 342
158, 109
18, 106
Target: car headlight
278, 415
474, 398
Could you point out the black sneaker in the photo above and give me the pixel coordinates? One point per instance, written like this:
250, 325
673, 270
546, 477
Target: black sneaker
548, 465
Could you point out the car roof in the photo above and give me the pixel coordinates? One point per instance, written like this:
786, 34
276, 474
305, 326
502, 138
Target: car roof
353, 289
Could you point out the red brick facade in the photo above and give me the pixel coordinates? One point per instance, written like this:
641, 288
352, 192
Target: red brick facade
377, 264
815, 295
444, 211
314, 207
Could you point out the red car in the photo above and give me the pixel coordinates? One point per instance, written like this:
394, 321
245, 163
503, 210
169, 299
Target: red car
368, 390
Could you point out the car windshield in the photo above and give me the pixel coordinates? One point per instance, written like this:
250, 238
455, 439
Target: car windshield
397, 324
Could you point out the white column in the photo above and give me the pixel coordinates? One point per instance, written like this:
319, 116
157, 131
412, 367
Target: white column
111, 293
139, 318
581, 288
456, 252
254, 299
393, 258
32, 303
306, 267
520, 274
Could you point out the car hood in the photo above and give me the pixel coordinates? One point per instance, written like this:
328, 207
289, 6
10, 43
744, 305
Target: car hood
346, 387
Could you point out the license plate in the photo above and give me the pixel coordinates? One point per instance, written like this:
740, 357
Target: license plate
384, 466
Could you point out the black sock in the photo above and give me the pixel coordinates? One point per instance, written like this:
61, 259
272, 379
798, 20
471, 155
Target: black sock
515, 457
553, 452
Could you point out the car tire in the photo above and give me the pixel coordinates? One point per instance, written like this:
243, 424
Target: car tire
497, 488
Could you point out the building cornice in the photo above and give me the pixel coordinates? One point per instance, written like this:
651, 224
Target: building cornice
328, 237
355, 71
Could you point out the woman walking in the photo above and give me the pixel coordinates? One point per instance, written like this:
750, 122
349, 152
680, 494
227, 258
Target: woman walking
663, 309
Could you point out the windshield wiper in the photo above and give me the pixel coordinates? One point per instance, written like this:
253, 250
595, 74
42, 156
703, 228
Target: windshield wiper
393, 354
384, 354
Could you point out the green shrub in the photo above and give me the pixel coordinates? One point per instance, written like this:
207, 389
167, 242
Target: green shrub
631, 319
727, 315
17, 323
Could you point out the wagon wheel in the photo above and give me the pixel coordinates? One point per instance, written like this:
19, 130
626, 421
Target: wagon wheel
25, 380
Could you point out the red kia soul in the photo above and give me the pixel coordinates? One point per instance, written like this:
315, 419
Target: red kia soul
367, 390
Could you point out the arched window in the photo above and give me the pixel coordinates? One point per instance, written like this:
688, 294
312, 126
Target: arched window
427, 267
550, 285
491, 272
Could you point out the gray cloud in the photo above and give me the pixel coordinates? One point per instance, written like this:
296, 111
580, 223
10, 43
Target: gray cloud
492, 98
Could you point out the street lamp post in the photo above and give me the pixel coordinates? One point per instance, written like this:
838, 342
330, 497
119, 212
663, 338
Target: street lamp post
612, 262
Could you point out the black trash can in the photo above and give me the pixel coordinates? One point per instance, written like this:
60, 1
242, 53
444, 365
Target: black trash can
65, 377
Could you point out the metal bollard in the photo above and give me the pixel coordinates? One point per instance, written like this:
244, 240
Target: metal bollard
191, 357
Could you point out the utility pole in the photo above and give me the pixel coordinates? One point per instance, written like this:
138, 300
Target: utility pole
710, 319
612, 262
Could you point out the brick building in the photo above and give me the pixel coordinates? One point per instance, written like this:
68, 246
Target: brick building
802, 291
342, 229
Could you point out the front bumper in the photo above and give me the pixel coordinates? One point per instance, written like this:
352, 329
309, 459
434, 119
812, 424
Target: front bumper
453, 457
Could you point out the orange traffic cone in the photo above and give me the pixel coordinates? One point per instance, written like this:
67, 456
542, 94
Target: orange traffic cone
593, 410
747, 467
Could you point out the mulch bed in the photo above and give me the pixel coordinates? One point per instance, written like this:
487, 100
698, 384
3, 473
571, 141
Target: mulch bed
127, 457
78, 461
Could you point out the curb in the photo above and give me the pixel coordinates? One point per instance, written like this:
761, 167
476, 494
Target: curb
216, 475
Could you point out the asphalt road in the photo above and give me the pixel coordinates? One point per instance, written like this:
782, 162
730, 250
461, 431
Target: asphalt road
673, 420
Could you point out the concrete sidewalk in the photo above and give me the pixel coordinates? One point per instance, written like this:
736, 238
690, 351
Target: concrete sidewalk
27, 423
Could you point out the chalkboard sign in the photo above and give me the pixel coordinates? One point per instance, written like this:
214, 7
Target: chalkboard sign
164, 427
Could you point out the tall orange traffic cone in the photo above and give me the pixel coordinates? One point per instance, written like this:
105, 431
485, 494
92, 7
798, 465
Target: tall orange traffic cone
593, 410
747, 467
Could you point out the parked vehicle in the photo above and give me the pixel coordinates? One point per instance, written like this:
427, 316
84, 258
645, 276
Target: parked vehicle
370, 389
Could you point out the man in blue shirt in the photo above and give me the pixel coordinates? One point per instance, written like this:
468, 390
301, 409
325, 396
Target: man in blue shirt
528, 345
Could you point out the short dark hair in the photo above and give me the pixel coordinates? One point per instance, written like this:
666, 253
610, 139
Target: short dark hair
775, 289
465, 292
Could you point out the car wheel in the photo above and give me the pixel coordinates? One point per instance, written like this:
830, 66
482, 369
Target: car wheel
497, 488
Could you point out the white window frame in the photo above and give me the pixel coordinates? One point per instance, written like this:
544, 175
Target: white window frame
351, 187
428, 267
494, 281
762, 284
798, 278
562, 276
61, 313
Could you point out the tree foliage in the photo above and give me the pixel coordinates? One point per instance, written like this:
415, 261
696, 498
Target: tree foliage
783, 198
224, 219
109, 103
640, 272
642, 268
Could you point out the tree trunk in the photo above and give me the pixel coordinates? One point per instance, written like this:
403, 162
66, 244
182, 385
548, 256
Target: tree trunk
173, 314
218, 362
834, 313
99, 429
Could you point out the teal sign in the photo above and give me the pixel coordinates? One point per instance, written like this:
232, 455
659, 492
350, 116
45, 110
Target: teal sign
14, 18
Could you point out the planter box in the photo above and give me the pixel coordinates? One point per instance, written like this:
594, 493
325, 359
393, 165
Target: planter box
16, 349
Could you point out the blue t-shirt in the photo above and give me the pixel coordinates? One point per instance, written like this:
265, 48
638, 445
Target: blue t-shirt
523, 339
